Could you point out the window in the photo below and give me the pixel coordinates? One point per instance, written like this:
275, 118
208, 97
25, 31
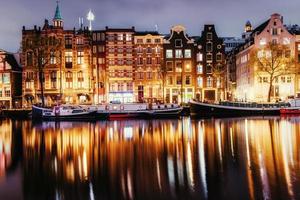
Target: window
169, 53
69, 80
128, 37
148, 40
289, 79
149, 60
188, 80
157, 49
53, 79
178, 43
157, 40
265, 79
68, 56
208, 69
188, 66
298, 47
178, 80
219, 57
158, 60
120, 37
80, 59
7, 92
274, 41
29, 58
274, 31
79, 41
149, 75
140, 61
200, 82
178, 53
68, 42
101, 60
139, 41
94, 49
209, 57
263, 41
80, 79
199, 57
139, 49
169, 66
178, 67
139, 75
209, 82
209, 47
209, 36
101, 49
287, 53
6, 78
287, 41
200, 69
149, 50
187, 53
52, 57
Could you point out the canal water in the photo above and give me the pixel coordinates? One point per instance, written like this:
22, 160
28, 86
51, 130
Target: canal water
237, 158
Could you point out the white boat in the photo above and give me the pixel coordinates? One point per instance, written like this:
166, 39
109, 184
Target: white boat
63, 112
138, 110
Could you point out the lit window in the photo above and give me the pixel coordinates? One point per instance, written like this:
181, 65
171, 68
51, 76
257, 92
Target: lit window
287, 41
199, 57
209, 36
52, 57
209, 82
187, 53
188, 66
188, 80
200, 69
178, 67
169, 66
68, 56
169, 53
200, 81
263, 41
128, 37
120, 37
178, 53
80, 57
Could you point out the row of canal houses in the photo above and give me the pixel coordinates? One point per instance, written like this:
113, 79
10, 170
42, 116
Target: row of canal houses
122, 64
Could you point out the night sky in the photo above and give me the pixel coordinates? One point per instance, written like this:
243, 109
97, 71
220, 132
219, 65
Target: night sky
229, 16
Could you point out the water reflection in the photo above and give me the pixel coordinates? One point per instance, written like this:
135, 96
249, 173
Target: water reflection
253, 158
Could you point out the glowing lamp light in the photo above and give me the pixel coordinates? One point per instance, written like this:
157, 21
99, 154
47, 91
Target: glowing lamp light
90, 17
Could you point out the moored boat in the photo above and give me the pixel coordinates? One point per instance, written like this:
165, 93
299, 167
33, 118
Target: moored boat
290, 111
138, 110
63, 112
225, 109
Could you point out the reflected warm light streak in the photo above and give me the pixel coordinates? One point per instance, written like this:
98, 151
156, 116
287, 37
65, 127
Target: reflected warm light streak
202, 157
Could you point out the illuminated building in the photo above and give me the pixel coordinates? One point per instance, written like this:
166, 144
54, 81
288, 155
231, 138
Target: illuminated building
10, 81
66, 63
210, 68
148, 48
99, 65
119, 65
250, 87
179, 75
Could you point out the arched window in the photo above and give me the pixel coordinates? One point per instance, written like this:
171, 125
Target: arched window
69, 79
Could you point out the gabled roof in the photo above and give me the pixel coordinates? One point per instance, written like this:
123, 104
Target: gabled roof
260, 28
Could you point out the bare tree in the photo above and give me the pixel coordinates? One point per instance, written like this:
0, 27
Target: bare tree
44, 48
272, 61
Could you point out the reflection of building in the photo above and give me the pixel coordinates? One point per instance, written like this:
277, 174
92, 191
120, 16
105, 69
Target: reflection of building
252, 87
210, 66
119, 64
179, 67
64, 57
148, 59
10, 81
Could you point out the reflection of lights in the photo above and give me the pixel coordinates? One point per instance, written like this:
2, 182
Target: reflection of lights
202, 158
264, 177
92, 196
158, 173
128, 132
219, 138
247, 143
129, 185
171, 172
190, 167
231, 142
